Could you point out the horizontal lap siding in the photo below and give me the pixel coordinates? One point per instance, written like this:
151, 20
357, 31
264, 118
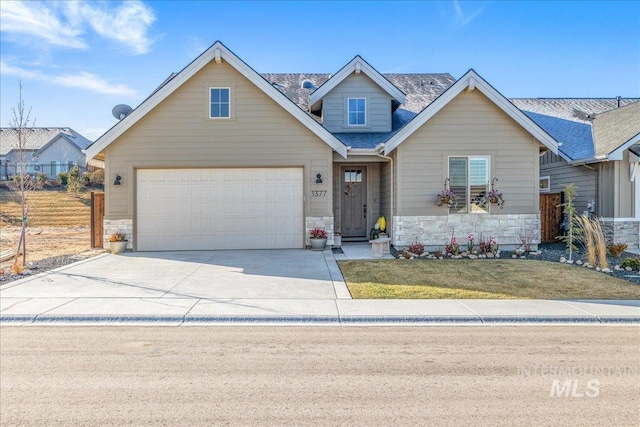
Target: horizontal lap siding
178, 133
469, 125
357, 86
561, 173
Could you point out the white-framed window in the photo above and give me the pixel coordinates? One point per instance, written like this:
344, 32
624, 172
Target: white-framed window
469, 180
357, 111
545, 184
219, 103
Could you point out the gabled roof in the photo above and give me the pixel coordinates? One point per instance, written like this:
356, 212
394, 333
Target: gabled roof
472, 81
576, 109
616, 130
357, 65
575, 137
39, 138
216, 52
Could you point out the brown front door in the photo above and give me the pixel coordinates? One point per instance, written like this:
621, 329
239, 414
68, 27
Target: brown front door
354, 201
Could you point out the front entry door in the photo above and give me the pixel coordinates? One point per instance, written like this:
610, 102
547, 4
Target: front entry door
354, 201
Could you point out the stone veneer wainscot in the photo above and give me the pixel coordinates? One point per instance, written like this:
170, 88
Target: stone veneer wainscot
435, 231
622, 230
111, 226
325, 222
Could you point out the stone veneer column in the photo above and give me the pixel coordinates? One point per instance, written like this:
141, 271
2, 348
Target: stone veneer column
325, 222
622, 231
111, 226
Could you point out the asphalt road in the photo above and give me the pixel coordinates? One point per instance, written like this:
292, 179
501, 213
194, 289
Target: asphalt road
320, 376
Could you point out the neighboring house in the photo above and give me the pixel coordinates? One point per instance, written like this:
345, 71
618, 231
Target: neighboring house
221, 157
599, 144
46, 150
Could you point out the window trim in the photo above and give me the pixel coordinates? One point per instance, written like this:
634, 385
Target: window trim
468, 189
548, 179
349, 124
210, 102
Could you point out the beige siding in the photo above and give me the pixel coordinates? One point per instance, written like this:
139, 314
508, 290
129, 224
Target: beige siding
584, 178
469, 125
385, 190
334, 105
179, 134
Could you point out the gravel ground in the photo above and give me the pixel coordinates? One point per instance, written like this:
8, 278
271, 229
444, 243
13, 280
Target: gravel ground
554, 251
49, 264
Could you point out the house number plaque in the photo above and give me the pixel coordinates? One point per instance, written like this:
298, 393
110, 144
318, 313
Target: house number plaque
319, 193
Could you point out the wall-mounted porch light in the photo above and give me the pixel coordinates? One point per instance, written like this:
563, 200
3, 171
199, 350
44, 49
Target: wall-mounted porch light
118, 179
319, 178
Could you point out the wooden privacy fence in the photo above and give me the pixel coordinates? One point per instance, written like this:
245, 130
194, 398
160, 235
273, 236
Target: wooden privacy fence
550, 216
97, 217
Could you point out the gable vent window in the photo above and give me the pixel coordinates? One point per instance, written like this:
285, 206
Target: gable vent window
219, 100
357, 111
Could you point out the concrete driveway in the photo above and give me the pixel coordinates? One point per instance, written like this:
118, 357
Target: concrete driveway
272, 274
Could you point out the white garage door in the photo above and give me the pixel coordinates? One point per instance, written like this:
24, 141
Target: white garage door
201, 209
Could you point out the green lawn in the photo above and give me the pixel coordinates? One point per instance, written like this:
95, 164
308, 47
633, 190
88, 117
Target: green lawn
500, 279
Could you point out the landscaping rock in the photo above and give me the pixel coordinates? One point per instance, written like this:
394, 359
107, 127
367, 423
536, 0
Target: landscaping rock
589, 266
569, 261
598, 268
489, 255
514, 256
606, 270
628, 269
578, 262
617, 268
473, 256
563, 259
440, 257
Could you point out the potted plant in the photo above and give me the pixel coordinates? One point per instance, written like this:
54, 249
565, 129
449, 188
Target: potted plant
446, 198
493, 196
118, 243
318, 238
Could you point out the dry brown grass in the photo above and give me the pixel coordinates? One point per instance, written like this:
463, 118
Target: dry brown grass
58, 224
48, 208
400, 279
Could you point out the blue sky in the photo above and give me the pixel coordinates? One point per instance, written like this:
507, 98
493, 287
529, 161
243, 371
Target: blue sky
79, 59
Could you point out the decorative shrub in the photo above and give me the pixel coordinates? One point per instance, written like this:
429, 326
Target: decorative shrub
416, 248
318, 233
616, 249
118, 237
97, 177
62, 177
634, 263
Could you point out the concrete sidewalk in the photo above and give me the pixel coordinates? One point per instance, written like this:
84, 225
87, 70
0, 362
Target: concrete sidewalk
261, 287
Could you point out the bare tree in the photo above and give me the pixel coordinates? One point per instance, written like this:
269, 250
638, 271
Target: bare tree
21, 122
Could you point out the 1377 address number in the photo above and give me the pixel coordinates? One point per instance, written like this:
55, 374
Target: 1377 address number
319, 193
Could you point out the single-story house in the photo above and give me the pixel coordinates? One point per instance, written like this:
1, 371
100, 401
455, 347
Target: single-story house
46, 150
222, 157
598, 152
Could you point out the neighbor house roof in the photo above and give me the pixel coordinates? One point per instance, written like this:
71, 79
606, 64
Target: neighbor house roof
217, 52
576, 109
39, 138
575, 140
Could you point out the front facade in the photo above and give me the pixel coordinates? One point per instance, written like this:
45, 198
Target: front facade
220, 157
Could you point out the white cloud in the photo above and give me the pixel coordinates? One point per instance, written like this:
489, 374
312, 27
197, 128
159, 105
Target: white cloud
37, 20
82, 80
462, 18
65, 24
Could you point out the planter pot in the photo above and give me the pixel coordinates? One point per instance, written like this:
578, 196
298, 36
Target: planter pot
337, 241
118, 247
318, 244
446, 201
493, 200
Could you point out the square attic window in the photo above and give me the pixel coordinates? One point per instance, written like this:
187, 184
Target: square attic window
357, 111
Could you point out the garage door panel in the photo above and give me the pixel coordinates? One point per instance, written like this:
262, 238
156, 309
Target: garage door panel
187, 209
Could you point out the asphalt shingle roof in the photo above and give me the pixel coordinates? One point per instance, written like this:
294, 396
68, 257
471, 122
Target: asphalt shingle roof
37, 138
576, 139
613, 128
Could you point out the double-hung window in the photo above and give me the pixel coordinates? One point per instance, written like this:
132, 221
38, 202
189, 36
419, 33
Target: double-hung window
357, 114
469, 180
219, 103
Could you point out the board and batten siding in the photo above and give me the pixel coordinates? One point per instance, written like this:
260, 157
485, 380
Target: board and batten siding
469, 125
378, 106
179, 134
615, 189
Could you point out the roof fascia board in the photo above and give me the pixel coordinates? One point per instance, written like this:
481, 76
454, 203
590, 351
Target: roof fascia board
216, 50
618, 153
490, 92
357, 64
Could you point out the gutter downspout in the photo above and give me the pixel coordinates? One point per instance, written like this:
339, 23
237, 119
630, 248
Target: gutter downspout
390, 159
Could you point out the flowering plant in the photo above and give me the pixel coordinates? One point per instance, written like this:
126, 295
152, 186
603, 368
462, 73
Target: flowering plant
318, 233
493, 196
118, 237
493, 243
446, 197
470, 243
453, 248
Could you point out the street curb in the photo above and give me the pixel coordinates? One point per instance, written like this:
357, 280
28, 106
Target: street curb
85, 320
